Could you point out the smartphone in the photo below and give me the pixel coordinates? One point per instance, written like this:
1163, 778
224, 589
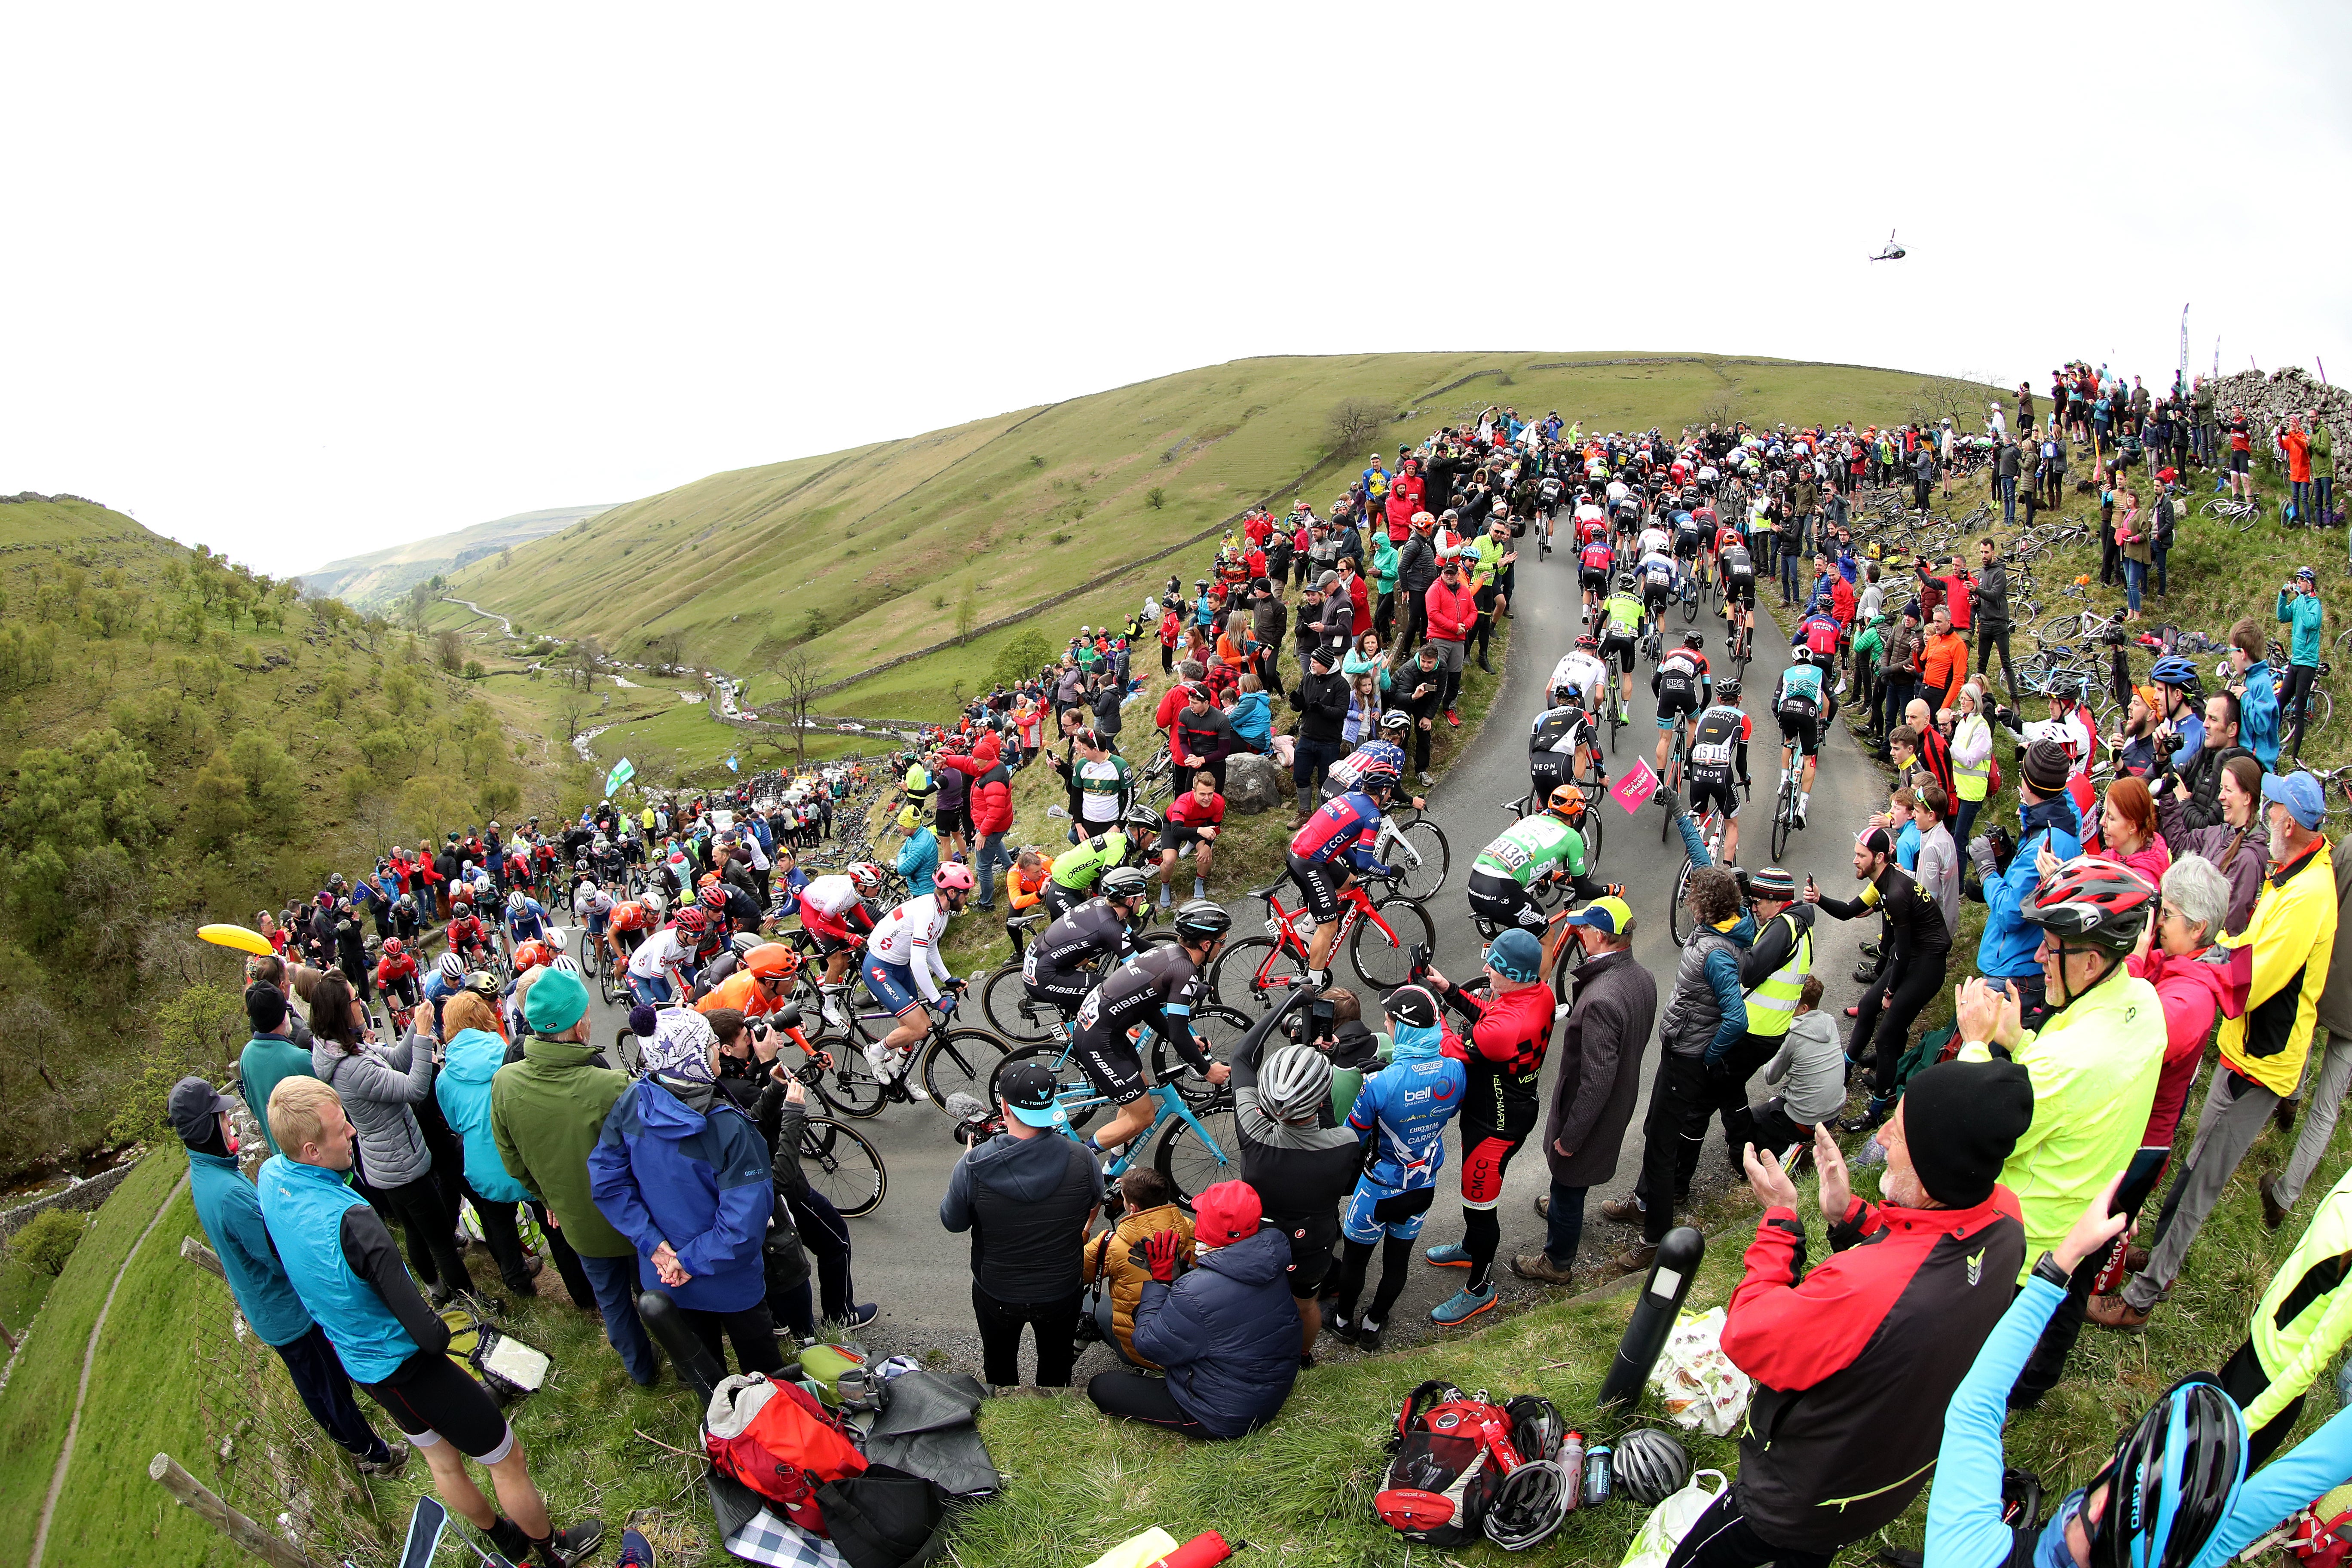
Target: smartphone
2139, 1178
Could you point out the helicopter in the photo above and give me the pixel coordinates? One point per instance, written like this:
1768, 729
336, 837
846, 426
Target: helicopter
1892, 252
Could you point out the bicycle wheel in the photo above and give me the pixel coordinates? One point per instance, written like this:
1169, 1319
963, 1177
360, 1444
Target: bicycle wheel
1080, 1101
842, 1163
1193, 1166
1564, 968
2063, 629
849, 1086
1780, 810
628, 1055
2319, 711
608, 984
1005, 1000
1678, 915
961, 1062
1382, 964
1219, 1027
1253, 971
1429, 842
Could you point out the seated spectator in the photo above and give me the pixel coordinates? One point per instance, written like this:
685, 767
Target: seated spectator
682, 1173
1847, 1356
1812, 1062
1191, 825
1115, 1258
1227, 1331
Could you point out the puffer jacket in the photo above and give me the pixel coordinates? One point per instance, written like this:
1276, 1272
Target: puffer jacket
2006, 949
1707, 1010
378, 1085
991, 788
1252, 716
679, 1162
473, 1059
1227, 1333
1116, 1257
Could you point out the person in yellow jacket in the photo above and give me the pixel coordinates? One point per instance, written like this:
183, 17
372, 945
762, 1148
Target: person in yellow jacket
2278, 966
1116, 1257
2094, 1063
2303, 1322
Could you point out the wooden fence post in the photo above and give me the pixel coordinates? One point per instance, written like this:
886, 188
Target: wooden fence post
251, 1537
203, 1257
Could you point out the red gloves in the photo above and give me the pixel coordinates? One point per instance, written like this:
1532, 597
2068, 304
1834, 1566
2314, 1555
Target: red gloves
1160, 1252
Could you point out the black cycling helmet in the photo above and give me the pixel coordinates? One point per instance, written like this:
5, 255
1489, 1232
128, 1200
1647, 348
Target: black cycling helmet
1198, 918
1694, 640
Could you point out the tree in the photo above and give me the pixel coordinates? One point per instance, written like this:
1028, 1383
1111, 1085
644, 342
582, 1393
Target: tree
449, 650
800, 675
965, 613
1022, 657
668, 648
1960, 398
418, 605
1353, 421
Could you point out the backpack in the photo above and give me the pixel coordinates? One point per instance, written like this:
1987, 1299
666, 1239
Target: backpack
1447, 1462
2322, 1534
776, 1438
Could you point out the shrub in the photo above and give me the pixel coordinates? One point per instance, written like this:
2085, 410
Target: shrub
1061, 538
473, 670
48, 1241
1155, 498
1035, 461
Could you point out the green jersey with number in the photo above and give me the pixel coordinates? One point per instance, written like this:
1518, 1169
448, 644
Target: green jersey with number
1534, 846
1624, 615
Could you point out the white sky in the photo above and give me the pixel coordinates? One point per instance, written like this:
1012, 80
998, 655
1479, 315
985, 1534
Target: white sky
301, 281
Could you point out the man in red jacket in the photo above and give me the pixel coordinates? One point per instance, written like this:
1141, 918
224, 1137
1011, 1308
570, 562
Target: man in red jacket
1854, 1362
989, 804
1452, 610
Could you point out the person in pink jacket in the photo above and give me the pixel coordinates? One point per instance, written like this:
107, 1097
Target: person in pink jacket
1453, 609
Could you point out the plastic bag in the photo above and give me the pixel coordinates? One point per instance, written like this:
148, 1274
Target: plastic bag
1696, 1380
1671, 1521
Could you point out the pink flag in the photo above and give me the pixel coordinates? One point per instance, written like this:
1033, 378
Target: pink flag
1634, 791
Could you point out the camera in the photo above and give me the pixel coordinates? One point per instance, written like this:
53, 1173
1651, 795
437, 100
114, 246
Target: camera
2004, 845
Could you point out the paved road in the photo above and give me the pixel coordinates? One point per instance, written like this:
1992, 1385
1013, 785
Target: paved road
918, 1273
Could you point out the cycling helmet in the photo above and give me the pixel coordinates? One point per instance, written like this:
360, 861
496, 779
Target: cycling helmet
2096, 902
1624, 581
1567, 802
600, 843
713, 898
743, 941
452, 967
408, 900
556, 938
530, 955
2174, 670
483, 984
514, 900
1294, 1083
393, 947
1651, 1465
773, 960
1124, 882
1200, 586
566, 962
2063, 689
692, 921
956, 877
1727, 688
587, 884
2172, 1481
708, 879
1376, 776
1144, 817
1396, 719
1531, 1505
653, 902
1198, 918
867, 878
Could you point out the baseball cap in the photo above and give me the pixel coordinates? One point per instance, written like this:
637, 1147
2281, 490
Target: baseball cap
2300, 794
192, 1107
1029, 1091
1226, 1213
1611, 917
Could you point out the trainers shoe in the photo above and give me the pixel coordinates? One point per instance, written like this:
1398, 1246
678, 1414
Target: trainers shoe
1365, 1338
575, 1542
1869, 1156
1452, 718
636, 1551
1626, 1210
1463, 1305
396, 1460
1452, 1255
860, 1315
1538, 1266
1424, 777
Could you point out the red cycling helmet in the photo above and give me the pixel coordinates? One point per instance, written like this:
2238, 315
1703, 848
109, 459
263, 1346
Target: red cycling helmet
692, 921
2095, 902
713, 896
393, 947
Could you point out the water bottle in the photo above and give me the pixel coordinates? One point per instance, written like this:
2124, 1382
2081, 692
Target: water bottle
1599, 1471
1571, 1462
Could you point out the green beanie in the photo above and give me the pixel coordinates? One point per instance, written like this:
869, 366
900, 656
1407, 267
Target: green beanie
557, 1001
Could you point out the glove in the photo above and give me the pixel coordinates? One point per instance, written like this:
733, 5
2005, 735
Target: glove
1982, 857
1670, 800
1159, 1254
1612, 889
948, 1005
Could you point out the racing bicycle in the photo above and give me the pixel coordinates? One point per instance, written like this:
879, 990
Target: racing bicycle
1378, 938
1191, 1138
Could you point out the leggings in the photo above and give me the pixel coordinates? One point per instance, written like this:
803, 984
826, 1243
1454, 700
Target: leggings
1134, 1396
1903, 989
2297, 696
1396, 1268
432, 1240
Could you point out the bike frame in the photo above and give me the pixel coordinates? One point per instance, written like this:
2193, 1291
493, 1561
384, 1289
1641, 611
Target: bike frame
1171, 1105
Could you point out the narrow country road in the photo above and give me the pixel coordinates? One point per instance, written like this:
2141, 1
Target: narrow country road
504, 625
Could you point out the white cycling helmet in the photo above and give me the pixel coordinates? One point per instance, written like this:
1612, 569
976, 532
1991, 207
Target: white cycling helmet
453, 968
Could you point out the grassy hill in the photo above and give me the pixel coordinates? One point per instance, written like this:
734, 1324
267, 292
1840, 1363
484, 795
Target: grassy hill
871, 554
378, 579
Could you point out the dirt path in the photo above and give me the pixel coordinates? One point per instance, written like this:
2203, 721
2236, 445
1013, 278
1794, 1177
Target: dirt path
88, 1357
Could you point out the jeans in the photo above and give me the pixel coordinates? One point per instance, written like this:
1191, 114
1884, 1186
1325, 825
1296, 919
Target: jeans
2322, 496
1001, 1322
1967, 816
615, 1281
2298, 496
1564, 1225
2009, 500
2161, 552
2236, 1110
1309, 761
992, 855
326, 1390
1787, 576
2135, 582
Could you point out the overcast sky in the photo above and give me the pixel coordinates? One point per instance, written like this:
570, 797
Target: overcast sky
301, 281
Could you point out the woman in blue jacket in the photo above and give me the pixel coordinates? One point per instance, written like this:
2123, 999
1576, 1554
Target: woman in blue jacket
683, 1174
473, 1054
1252, 715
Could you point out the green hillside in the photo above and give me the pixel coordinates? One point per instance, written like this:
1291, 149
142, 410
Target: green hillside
867, 555
380, 579
188, 741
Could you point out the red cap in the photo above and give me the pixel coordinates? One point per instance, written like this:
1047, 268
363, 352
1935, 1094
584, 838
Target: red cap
1226, 1213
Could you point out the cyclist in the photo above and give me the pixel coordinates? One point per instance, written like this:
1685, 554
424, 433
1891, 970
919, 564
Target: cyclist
1738, 586
1547, 847
1688, 536
661, 967
1557, 741
592, 909
834, 916
1656, 571
1548, 491
1592, 565
903, 967
1059, 967
1343, 828
1804, 704
632, 921
1681, 684
526, 919
759, 985
1509, 1033
1654, 541
1385, 750
1621, 634
1718, 747
466, 935
1076, 871
1154, 988
396, 977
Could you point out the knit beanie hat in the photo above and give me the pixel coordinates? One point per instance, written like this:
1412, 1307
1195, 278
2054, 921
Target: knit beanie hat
557, 1001
2046, 766
1960, 1119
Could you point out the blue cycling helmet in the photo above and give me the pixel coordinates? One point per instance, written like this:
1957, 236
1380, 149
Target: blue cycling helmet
2173, 669
2173, 1479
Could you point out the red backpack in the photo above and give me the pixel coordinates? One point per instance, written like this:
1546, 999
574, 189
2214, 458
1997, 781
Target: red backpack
1450, 1454
778, 1440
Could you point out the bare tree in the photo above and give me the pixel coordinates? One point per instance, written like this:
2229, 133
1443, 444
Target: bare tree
418, 605
1963, 399
1353, 421
668, 648
800, 675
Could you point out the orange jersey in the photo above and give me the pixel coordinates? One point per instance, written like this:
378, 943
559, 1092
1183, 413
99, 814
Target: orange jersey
739, 991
